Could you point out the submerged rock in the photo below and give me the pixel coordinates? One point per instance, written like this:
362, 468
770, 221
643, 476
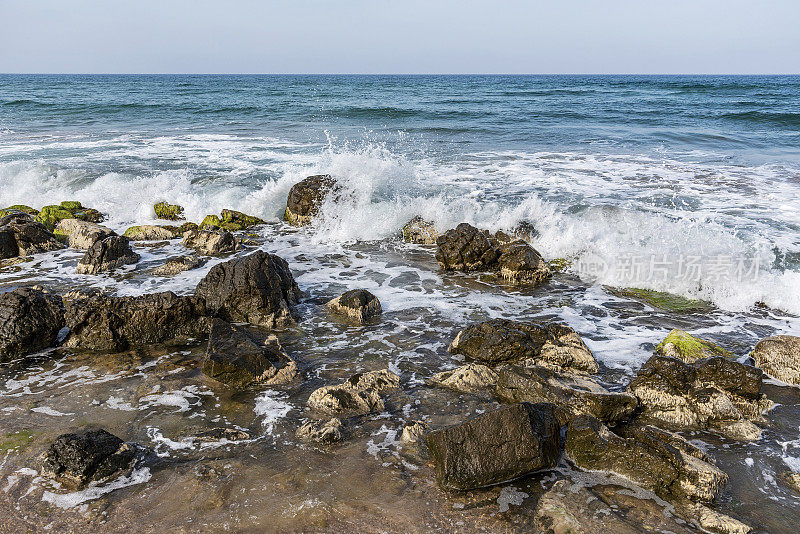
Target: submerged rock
328, 431
306, 197
712, 394
358, 395
469, 378
150, 232
82, 234
170, 212
107, 255
357, 304
502, 340
420, 231
465, 248
21, 235
236, 358
87, 456
519, 262
573, 395
177, 265
30, 321
686, 347
662, 300
210, 242
113, 324
779, 357
495, 447
646, 458
258, 288
221, 434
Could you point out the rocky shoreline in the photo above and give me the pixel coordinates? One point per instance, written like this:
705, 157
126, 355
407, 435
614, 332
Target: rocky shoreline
546, 405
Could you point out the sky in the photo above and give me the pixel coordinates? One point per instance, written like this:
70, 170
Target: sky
410, 36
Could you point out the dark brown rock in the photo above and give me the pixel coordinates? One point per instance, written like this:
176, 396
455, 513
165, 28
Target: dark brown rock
210, 242
83, 457
113, 324
30, 321
357, 304
465, 248
258, 288
306, 197
519, 262
495, 447
29, 236
107, 255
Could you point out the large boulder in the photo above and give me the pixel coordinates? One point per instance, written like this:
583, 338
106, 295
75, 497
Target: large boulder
465, 248
519, 262
21, 235
470, 378
654, 459
87, 456
686, 347
150, 232
420, 231
779, 357
572, 394
358, 395
210, 242
501, 340
306, 197
169, 212
495, 447
359, 305
258, 288
234, 357
81, 234
112, 324
711, 394
30, 321
107, 255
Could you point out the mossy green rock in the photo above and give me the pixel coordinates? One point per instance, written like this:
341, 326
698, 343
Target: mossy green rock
238, 218
686, 347
662, 300
71, 205
559, 265
211, 220
16, 441
170, 212
16, 208
185, 227
50, 216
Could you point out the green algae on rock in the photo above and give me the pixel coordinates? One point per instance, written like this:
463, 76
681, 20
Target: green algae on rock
231, 220
17, 208
16, 441
686, 347
559, 265
150, 232
661, 299
51, 215
169, 212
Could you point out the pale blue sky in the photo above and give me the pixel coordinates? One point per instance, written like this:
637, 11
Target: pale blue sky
410, 36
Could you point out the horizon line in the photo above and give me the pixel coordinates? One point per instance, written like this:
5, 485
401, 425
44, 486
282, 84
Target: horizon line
395, 74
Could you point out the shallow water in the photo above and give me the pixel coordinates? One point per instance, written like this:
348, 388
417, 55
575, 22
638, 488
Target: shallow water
633, 179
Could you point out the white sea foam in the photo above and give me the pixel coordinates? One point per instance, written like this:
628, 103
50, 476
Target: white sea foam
272, 408
95, 491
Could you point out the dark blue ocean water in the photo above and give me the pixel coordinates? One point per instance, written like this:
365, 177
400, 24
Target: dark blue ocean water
606, 167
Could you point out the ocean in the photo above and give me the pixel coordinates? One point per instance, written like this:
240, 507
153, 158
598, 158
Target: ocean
683, 184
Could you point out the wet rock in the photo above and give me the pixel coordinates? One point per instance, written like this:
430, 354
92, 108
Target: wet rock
221, 434
23, 236
358, 395
328, 431
495, 447
19, 208
500, 340
357, 304
662, 300
686, 347
236, 358
87, 456
258, 288
779, 357
81, 234
170, 212
107, 255
210, 242
572, 394
150, 232
470, 378
569, 508
712, 394
236, 220
414, 432
30, 321
420, 231
645, 458
50, 216
521, 263
306, 197
465, 248
177, 265
114, 324
713, 521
